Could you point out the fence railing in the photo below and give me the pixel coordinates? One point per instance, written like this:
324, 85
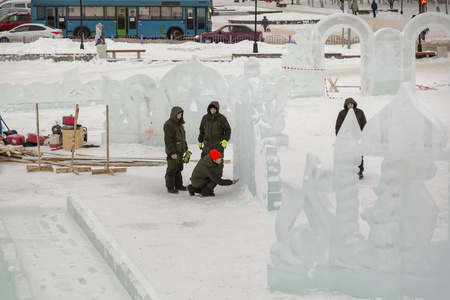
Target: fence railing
161, 39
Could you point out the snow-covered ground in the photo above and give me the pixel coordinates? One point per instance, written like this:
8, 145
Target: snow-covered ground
187, 247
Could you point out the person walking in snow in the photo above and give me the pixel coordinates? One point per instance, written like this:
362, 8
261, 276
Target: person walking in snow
99, 35
207, 175
265, 23
355, 7
176, 147
350, 103
215, 131
374, 8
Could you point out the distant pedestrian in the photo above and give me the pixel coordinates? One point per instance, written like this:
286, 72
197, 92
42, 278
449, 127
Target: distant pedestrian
207, 175
374, 8
99, 35
176, 147
355, 7
350, 103
265, 23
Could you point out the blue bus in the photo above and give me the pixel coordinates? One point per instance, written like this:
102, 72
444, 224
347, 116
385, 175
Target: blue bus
125, 17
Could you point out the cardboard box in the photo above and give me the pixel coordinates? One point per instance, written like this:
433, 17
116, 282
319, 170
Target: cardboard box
16, 139
32, 138
68, 136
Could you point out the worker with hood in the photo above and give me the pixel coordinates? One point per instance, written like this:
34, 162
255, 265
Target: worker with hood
350, 103
215, 131
176, 147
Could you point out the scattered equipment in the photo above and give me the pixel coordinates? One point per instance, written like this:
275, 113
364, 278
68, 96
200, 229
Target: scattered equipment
75, 131
4, 134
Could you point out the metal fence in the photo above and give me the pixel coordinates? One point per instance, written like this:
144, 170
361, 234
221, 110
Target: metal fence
161, 39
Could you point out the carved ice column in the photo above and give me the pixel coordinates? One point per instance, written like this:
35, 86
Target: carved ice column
347, 157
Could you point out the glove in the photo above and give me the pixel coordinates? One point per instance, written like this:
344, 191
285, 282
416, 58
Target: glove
200, 146
187, 156
224, 143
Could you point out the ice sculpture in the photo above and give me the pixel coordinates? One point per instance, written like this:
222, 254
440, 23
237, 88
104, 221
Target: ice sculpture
193, 86
304, 65
137, 108
388, 58
398, 258
259, 117
410, 33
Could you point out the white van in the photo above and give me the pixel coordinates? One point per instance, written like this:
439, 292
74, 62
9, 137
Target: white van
16, 4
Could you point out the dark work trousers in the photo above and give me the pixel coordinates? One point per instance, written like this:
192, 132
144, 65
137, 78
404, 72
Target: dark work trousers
374, 13
173, 171
361, 166
208, 188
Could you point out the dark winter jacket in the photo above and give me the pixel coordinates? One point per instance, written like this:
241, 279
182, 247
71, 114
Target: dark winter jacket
174, 134
374, 6
265, 22
343, 113
214, 128
207, 168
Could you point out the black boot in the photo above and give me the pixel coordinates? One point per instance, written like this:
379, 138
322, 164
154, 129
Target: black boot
191, 190
172, 191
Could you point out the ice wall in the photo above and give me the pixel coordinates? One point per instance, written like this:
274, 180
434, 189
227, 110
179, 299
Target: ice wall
259, 117
398, 258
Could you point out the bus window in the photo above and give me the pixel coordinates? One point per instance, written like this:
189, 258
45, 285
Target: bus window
74, 12
51, 17
190, 18
201, 18
177, 13
93, 12
155, 13
110, 13
62, 18
132, 16
40, 13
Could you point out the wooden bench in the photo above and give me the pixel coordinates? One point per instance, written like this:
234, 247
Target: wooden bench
281, 5
137, 51
425, 54
333, 86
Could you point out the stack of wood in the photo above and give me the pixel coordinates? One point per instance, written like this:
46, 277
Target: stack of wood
12, 153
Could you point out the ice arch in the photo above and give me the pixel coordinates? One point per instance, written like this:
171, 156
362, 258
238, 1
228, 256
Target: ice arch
410, 34
336, 21
388, 57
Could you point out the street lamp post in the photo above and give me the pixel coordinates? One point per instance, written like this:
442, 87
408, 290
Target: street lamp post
401, 10
81, 24
255, 44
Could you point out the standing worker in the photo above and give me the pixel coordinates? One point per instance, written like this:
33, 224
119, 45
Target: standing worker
207, 175
176, 147
215, 131
360, 117
374, 8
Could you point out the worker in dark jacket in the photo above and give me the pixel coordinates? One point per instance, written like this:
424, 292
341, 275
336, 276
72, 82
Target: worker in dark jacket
207, 175
350, 103
215, 131
176, 147
374, 8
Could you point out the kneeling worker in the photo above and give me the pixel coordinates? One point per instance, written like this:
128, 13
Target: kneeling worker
207, 174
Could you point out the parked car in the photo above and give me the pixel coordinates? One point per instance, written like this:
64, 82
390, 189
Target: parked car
237, 33
16, 4
30, 30
13, 20
6, 11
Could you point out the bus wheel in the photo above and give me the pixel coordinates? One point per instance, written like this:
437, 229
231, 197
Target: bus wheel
176, 33
85, 31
